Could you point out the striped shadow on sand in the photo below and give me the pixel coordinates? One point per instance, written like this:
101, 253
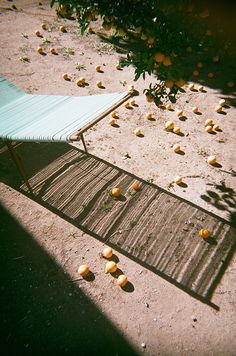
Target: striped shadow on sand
151, 226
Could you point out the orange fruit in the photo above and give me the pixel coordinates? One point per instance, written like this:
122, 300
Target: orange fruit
99, 84
137, 132
208, 122
98, 68
79, 83
168, 107
178, 180
211, 160
135, 186
127, 105
195, 109
179, 113
201, 88
38, 33
208, 128
159, 57
107, 252
122, 280
204, 233
116, 192
199, 65
189, 49
191, 86
180, 83
195, 73
169, 125
40, 50
218, 108
176, 129
150, 40
149, 116
176, 147
53, 50
210, 75
65, 76
222, 102
110, 267
131, 87
83, 270
112, 122
133, 102
169, 83
62, 28
118, 67
114, 114
216, 127
167, 62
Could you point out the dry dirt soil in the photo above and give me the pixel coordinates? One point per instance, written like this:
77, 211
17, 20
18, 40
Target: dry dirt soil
45, 306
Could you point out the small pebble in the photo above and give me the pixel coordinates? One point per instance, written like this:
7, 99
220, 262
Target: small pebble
194, 318
143, 345
147, 305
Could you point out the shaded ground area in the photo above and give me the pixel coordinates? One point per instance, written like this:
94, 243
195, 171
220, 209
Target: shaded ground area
42, 309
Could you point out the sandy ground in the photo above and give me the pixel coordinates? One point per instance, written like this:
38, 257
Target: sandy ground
156, 317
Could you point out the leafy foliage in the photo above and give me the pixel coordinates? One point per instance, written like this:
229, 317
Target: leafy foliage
176, 41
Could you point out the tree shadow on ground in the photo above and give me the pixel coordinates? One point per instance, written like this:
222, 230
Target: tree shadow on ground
42, 309
222, 198
151, 226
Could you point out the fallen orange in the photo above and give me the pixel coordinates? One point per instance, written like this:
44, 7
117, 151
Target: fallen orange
208, 128
204, 233
169, 125
176, 147
83, 270
136, 186
116, 192
211, 160
176, 130
149, 116
122, 280
112, 122
218, 108
137, 132
179, 113
38, 33
208, 122
40, 50
178, 180
110, 267
114, 114
107, 252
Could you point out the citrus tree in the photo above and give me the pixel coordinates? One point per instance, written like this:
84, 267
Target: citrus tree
177, 41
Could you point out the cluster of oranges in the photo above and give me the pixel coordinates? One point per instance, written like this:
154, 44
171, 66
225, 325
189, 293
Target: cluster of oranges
82, 82
38, 33
110, 267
